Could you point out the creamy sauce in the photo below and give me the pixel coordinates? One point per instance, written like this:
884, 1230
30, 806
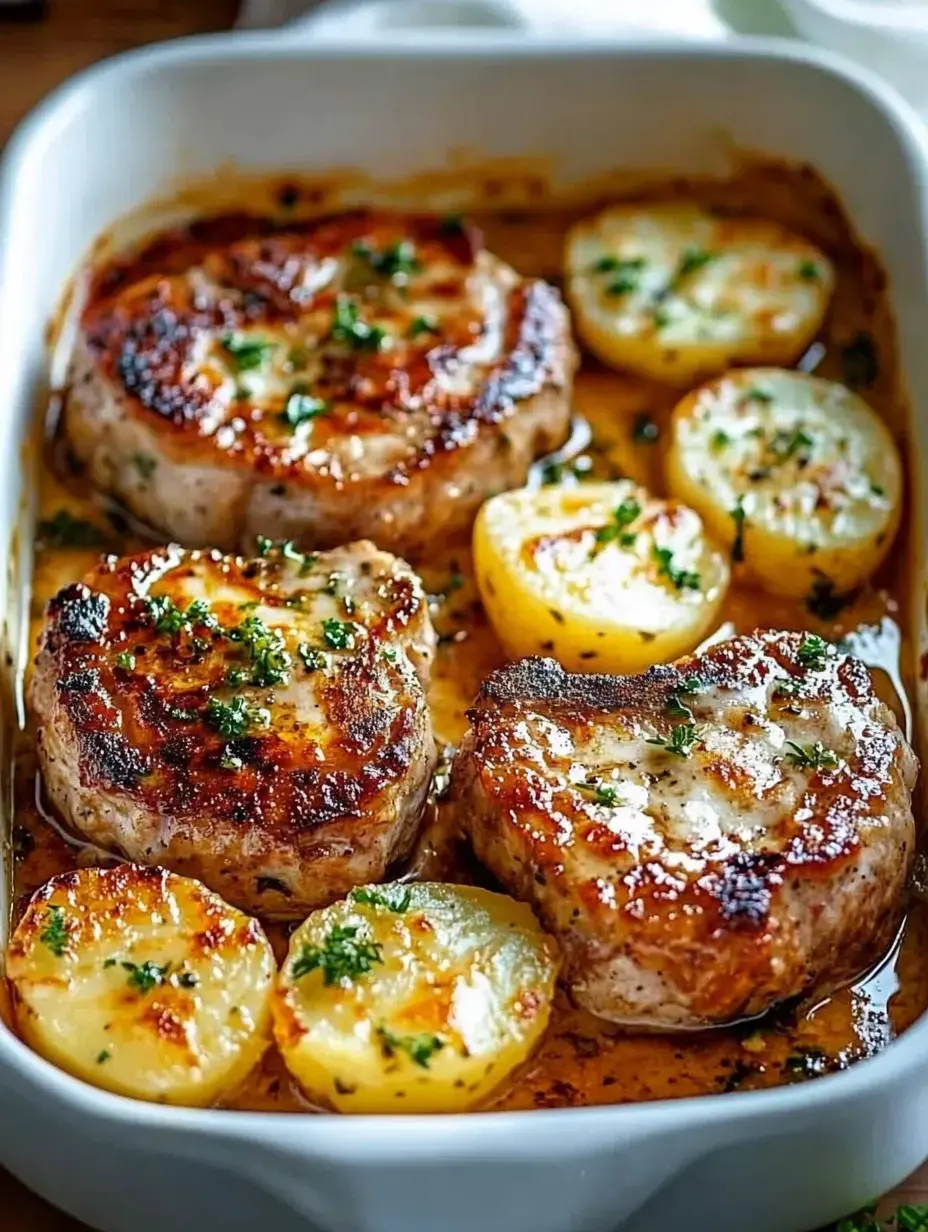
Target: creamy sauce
620, 429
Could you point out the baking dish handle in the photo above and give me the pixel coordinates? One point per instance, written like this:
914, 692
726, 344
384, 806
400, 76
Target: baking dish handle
369, 20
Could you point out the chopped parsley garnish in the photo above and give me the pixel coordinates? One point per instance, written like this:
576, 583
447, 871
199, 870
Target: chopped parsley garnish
680, 579
169, 618
270, 659
677, 709
813, 652
645, 430
683, 739
235, 718
230, 761
602, 793
145, 464
553, 471
397, 261
421, 325
65, 531
343, 956
187, 979
236, 677
419, 1048
877, 489
693, 259
626, 271
54, 936
720, 439
786, 445
247, 352
756, 394
348, 327
288, 551
313, 660
103, 1055
812, 756
143, 978
379, 898
675, 706
622, 517
807, 271
302, 408
338, 634
125, 660
738, 515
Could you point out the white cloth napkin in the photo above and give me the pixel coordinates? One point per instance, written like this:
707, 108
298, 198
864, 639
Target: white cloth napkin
889, 36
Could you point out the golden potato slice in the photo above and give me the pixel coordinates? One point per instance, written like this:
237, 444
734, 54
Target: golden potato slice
142, 982
416, 998
603, 577
672, 291
797, 475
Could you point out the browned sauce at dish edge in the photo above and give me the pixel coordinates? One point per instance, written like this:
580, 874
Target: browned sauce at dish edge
620, 431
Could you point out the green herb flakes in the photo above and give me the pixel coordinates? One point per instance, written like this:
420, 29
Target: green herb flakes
813, 652
247, 353
145, 976
349, 328
812, 756
338, 634
54, 936
419, 1048
683, 739
235, 718
343, 956
680, 579
369, 897
303, 408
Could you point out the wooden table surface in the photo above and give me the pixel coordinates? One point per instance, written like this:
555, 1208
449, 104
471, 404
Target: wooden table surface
33, 59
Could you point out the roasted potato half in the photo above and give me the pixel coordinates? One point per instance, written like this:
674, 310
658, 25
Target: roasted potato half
673, 291
603, 577
417, 998
142, 982
799, 476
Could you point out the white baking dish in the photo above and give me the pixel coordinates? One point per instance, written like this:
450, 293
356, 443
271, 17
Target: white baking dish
779, 1160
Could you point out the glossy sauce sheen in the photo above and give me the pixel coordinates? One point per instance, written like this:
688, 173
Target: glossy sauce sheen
620, 430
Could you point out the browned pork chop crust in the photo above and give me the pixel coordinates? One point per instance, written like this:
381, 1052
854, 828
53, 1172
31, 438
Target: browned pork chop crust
259, 724
706, 839
371, 375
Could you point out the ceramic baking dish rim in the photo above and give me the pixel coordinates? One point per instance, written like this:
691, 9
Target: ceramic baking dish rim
430, 1137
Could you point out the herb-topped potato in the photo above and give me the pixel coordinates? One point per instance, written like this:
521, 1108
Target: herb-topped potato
371, 375
798, 475
673, 291
602, 577
142, 982
260, 724
413, 998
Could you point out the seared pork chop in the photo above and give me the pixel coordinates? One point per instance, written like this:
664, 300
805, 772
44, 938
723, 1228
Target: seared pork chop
258, 724
706, 839
372, 375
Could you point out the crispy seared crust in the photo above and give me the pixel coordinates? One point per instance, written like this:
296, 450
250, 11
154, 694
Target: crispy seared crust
416, 436
731, 879
327, 795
